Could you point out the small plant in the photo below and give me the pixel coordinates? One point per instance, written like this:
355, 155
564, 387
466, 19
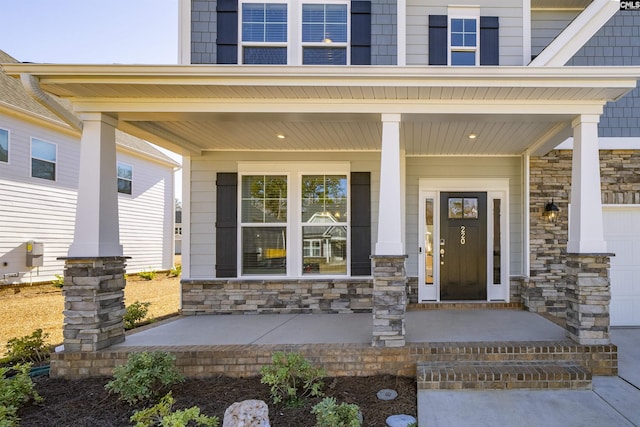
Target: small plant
144, 376
162, 414
30, 348
147, 274
135, 313
15, 392
59, 282
329, 414
175, 271
413, 425
292, 378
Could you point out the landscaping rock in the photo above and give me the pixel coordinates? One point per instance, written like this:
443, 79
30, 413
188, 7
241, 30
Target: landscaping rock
400, 420
248, 413
387, 394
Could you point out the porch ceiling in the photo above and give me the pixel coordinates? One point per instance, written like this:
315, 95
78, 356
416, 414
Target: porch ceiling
196, 108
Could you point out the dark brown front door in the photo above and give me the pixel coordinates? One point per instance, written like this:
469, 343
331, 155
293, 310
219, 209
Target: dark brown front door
463, 246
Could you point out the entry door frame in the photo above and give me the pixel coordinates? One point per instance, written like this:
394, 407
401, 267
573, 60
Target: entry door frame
496, 188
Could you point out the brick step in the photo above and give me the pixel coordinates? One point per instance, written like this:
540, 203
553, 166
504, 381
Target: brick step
502, 376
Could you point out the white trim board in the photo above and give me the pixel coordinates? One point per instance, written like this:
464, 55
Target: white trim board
609, 143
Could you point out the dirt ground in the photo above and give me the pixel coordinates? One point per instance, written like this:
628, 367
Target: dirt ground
86, 403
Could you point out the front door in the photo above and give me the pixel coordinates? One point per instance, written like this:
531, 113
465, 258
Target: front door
463, 246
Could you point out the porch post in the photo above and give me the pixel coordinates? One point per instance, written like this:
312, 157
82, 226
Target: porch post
389, 276
588, 290
94, 270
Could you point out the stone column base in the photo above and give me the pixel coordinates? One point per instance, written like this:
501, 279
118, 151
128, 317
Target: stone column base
93, 303
389, 300
588, 296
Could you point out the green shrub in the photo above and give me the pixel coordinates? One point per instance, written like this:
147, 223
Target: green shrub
147, 275
292, 378
15, 392
329, 414
135, 313
30, 348
144, 377
175, 271
59, 282
163, 415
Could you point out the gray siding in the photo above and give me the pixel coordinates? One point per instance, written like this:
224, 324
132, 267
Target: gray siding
509, 13
617, 43
384, 47
546, 25
203, 31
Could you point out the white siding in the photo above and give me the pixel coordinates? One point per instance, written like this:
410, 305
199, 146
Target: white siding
466, 167
509, 13
203, 195
44, 211
546, 25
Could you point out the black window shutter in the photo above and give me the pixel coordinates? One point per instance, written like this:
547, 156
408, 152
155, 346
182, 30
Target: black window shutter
360, 223
360, 32
227, 41
489, 43
438, 39
226, 224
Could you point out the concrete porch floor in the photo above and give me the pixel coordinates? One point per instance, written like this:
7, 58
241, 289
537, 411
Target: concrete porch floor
421, 326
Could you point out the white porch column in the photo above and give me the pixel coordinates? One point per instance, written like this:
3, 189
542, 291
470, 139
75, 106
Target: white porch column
390, 204
97, 232
585, 222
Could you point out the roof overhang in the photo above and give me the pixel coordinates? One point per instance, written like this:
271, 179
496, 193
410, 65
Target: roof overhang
194, 108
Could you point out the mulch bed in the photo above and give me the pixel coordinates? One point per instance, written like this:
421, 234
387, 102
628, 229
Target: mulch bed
86, 403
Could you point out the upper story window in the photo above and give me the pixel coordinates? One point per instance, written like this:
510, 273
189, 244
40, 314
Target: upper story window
264, 33
463, 41
43, 159
125, 178
4, 146
324, 34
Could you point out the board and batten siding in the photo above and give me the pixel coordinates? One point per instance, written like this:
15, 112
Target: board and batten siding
546, 25
473, 168
44, 211
509, 13
203, 195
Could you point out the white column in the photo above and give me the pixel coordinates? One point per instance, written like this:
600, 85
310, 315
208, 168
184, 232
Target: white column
97, 231
390, 203
585, 221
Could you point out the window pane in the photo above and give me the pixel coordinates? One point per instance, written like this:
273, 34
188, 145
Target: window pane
457, 40
313, 32
264, 198
428, 241
336, 33
264, 22
457, 25
324, 56
253, 32
470, 40
124, 186
43, 150
265, 55
264, 250
4, 145
469, 25
321, 22
312, 13
463, 58
497, 275
125, 171
324, 199
43, 169
324, 250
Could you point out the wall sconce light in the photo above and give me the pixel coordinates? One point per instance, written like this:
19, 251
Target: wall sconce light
551, 212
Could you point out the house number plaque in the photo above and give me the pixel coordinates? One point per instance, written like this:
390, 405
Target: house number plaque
463, 235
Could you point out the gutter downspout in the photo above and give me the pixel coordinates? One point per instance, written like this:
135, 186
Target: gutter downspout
32, 86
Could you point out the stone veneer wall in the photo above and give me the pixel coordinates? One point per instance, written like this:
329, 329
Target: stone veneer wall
276, 296
550, 178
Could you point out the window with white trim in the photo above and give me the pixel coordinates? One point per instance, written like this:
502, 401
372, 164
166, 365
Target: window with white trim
264, 33
325, 33
43, 159
463, 41
293, 220
4, 146
125, 178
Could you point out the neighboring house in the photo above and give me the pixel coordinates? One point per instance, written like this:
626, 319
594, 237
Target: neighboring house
39, 162
423, 129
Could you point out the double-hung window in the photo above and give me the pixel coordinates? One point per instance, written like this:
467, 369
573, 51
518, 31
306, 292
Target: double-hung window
43, 159
463, 41
125, 178
4, 145
264, 33
325, 33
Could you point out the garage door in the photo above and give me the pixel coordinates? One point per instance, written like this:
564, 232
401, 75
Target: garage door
622, 233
